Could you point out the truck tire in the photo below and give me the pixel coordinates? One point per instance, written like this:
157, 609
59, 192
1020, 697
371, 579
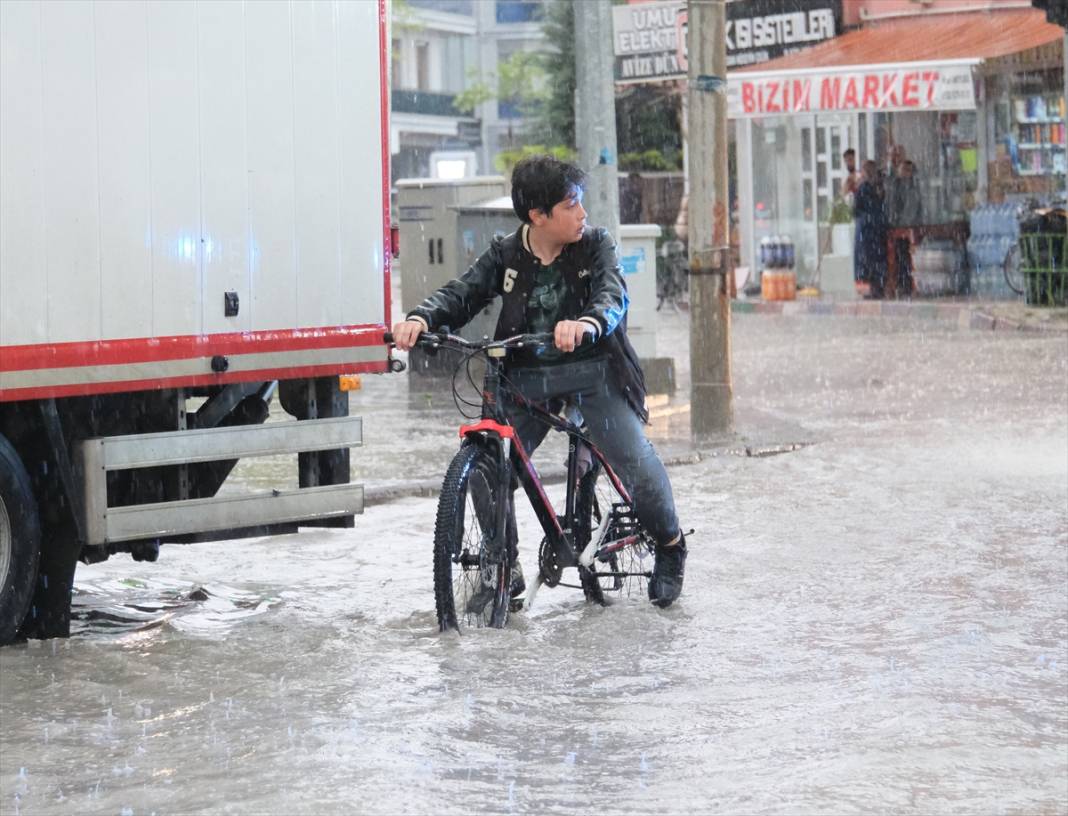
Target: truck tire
20, 541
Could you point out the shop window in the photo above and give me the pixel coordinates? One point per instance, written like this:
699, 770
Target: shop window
1029, 154
958, 154
519, 11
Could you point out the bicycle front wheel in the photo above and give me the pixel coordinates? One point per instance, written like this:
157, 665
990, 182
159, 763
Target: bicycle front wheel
471, 579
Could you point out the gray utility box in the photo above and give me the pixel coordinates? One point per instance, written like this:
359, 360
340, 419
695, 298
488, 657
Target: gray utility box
444, 227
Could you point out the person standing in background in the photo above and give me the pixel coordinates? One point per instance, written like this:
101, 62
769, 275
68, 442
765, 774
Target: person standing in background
895, 158
904, 208
869, 240
852, 179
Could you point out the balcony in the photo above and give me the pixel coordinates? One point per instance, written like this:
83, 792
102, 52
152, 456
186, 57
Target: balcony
425, 103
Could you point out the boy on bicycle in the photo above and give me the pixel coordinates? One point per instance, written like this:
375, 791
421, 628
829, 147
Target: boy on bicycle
557, 275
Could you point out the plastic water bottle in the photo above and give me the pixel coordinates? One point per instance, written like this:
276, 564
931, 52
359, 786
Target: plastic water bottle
765, 251
788, 252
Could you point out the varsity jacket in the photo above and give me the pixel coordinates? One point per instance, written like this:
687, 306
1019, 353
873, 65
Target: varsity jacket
507, 269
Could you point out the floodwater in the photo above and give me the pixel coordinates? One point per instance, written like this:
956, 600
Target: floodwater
876, 622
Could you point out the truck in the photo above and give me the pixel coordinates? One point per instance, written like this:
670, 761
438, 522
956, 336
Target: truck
194, 222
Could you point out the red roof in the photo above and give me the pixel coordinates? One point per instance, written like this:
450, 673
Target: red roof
926, 38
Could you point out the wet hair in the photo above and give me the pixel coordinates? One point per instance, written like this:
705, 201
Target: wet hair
849, 152
541, 182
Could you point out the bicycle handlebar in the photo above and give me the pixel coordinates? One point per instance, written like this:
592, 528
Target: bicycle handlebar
438, 339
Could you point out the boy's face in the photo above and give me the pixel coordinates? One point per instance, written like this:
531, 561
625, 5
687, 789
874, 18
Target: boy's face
566, 221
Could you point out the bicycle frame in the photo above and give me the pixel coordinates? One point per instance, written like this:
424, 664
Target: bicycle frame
494, 424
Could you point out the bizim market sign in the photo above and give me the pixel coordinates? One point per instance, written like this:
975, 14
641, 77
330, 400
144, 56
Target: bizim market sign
650, 38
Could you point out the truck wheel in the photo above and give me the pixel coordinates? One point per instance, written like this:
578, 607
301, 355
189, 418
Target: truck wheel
20, 541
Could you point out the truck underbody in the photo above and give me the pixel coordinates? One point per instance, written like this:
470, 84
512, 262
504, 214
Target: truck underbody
70, 516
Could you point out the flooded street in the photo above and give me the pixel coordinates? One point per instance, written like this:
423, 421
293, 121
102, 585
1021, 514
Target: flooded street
875, 622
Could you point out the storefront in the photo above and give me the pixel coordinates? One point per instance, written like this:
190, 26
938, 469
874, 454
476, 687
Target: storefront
975, 99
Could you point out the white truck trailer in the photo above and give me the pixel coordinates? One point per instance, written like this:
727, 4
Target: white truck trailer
194, 213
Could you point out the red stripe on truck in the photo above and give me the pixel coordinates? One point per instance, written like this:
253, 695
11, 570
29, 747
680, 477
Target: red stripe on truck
293, 373
152, 349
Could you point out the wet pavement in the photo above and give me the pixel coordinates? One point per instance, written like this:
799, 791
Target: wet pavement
877, 621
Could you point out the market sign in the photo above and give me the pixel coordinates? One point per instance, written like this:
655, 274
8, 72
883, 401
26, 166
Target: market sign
650, 38
901, 87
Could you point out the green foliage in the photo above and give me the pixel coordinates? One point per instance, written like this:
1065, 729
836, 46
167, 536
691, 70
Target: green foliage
402, 16
521, 82
554, 121
647, 120
476, 93
841, 213
507, 159
651, 160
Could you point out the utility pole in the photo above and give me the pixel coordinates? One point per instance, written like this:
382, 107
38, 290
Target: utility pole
595, 111
711, 411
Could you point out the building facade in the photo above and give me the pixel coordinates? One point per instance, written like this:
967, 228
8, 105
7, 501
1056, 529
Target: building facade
441, 48
972, 93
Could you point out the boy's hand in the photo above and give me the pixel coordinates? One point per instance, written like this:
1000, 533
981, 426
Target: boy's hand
568, 333
406, 333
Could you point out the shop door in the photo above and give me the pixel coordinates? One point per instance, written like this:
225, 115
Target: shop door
834, 133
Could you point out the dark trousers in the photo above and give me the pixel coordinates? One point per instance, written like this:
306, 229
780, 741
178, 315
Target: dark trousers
903, 267
612, 426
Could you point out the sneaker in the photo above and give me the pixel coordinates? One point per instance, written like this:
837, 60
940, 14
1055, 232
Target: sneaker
518, 583
665, 585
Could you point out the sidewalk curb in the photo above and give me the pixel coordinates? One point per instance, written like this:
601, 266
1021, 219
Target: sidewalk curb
960, 316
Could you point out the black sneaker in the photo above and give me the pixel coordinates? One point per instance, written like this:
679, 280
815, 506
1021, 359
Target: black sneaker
665, 585
518, 582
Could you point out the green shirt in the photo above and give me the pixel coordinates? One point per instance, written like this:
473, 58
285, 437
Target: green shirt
545, 310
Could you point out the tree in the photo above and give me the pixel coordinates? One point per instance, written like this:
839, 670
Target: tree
520, 81
555, 122
648, 126
539, 85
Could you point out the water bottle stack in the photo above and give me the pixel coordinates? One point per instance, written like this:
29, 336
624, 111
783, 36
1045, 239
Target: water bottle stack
995, 229
778, 280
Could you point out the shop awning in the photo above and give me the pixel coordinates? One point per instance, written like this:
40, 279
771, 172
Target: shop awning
910, 63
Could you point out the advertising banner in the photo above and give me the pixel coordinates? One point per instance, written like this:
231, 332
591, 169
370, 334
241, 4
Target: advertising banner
650, 38
902, 87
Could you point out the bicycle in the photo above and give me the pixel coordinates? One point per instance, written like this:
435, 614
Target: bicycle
475, 538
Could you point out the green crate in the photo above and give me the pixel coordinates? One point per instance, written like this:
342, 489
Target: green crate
1044, 268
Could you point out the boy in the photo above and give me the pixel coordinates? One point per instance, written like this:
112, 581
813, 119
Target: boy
557, 275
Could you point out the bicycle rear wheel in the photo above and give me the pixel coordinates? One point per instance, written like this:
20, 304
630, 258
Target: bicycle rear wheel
624, 559
471, 581
1013, 273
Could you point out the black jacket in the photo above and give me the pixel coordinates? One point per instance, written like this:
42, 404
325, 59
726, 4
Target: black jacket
604, 301
507, 269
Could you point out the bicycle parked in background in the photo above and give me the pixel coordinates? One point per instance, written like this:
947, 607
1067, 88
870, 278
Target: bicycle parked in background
475, 533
